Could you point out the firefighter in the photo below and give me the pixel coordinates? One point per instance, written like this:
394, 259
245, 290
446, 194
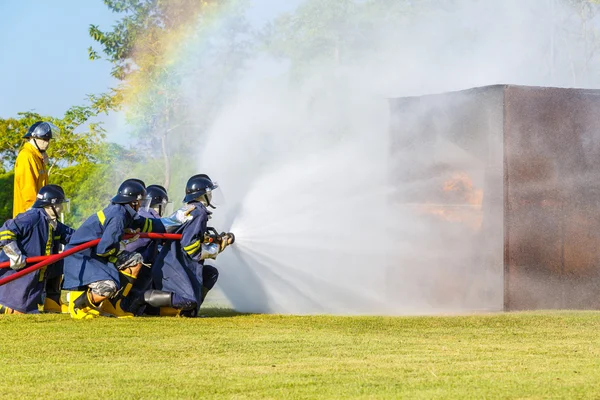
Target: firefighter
180, 278
30, 168
32, 233
54, 277
155, 206
101, 277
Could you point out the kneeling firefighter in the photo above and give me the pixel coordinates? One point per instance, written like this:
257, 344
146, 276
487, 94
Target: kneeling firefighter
35, 232
180, 278
102, 276
154, 206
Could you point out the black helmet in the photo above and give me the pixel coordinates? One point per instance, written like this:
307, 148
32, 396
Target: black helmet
41, 130
157, 194
130, 191
141, 182
50, 195
197, 186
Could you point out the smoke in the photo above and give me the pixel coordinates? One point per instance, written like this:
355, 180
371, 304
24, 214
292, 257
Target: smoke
332, 210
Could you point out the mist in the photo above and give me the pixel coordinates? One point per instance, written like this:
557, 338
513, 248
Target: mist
331, 211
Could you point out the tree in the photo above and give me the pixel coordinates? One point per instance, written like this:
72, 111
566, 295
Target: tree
68, 148
155, 83
334, 33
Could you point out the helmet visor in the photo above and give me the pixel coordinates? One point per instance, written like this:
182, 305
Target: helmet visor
215, 195
145, 203
63, 207
163, 208
41, 131
168, 208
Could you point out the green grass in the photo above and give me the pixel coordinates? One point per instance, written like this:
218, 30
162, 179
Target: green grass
517, 355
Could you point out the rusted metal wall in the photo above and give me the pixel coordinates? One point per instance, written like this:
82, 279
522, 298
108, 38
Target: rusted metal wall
437, 142
536, 154
552, 198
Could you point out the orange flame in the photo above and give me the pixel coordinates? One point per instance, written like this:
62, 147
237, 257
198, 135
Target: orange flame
461, 202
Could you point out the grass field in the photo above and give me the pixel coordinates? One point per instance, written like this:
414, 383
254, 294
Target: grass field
516, 355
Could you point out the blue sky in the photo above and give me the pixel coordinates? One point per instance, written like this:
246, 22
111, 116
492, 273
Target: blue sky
45, 66
44, 44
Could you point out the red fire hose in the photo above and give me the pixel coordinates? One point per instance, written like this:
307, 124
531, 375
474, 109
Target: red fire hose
43, 261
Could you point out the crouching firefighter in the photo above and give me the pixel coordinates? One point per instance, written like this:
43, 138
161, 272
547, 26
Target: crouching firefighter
154, 206
180, 278
34, 232
102, 276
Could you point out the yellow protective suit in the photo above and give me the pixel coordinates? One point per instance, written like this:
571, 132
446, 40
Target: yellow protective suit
30, 176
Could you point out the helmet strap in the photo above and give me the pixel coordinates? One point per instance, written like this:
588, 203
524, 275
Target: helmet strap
55, 212
36, 145
52, 217
208, 204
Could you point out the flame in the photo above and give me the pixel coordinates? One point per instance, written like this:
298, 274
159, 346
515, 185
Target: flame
460, 202
461, 185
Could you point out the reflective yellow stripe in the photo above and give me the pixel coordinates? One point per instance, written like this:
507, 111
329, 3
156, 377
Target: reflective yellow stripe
127, 289
7, 233
192, 246
49, 241
57, 237
8, 237
149, 226
101, 217
144, 229
108, 253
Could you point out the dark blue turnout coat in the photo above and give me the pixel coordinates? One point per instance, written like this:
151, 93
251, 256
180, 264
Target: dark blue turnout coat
178, 268
148, 248
95, 264
35, 236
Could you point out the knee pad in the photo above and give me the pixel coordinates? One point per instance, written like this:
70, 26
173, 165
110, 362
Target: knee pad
105, 288
210, 275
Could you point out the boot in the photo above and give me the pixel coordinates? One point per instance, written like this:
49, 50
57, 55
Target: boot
81, 306
112, 306
54, 305
163, 301
52, 302
8, 310
64, 301
169, 312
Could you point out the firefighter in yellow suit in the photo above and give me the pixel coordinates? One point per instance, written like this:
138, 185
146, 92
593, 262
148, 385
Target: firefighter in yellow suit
30, 168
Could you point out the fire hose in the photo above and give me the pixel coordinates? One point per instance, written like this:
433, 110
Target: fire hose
43, 261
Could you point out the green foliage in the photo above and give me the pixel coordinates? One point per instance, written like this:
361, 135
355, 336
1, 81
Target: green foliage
11, 131
76, 142
91, 186
6, 196
88, 186
143, 47
333, 33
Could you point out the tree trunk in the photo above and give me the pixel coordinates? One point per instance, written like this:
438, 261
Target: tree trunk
163, 142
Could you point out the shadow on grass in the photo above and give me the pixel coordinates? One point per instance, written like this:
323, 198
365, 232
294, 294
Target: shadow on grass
215, 312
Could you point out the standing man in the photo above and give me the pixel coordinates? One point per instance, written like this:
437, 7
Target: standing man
30, 168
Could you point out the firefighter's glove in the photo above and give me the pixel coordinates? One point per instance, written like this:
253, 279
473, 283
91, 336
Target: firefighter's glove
223, 243
127, 259
226, 240
17, 259
179, 217
183, 214
210, 250
123, 243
